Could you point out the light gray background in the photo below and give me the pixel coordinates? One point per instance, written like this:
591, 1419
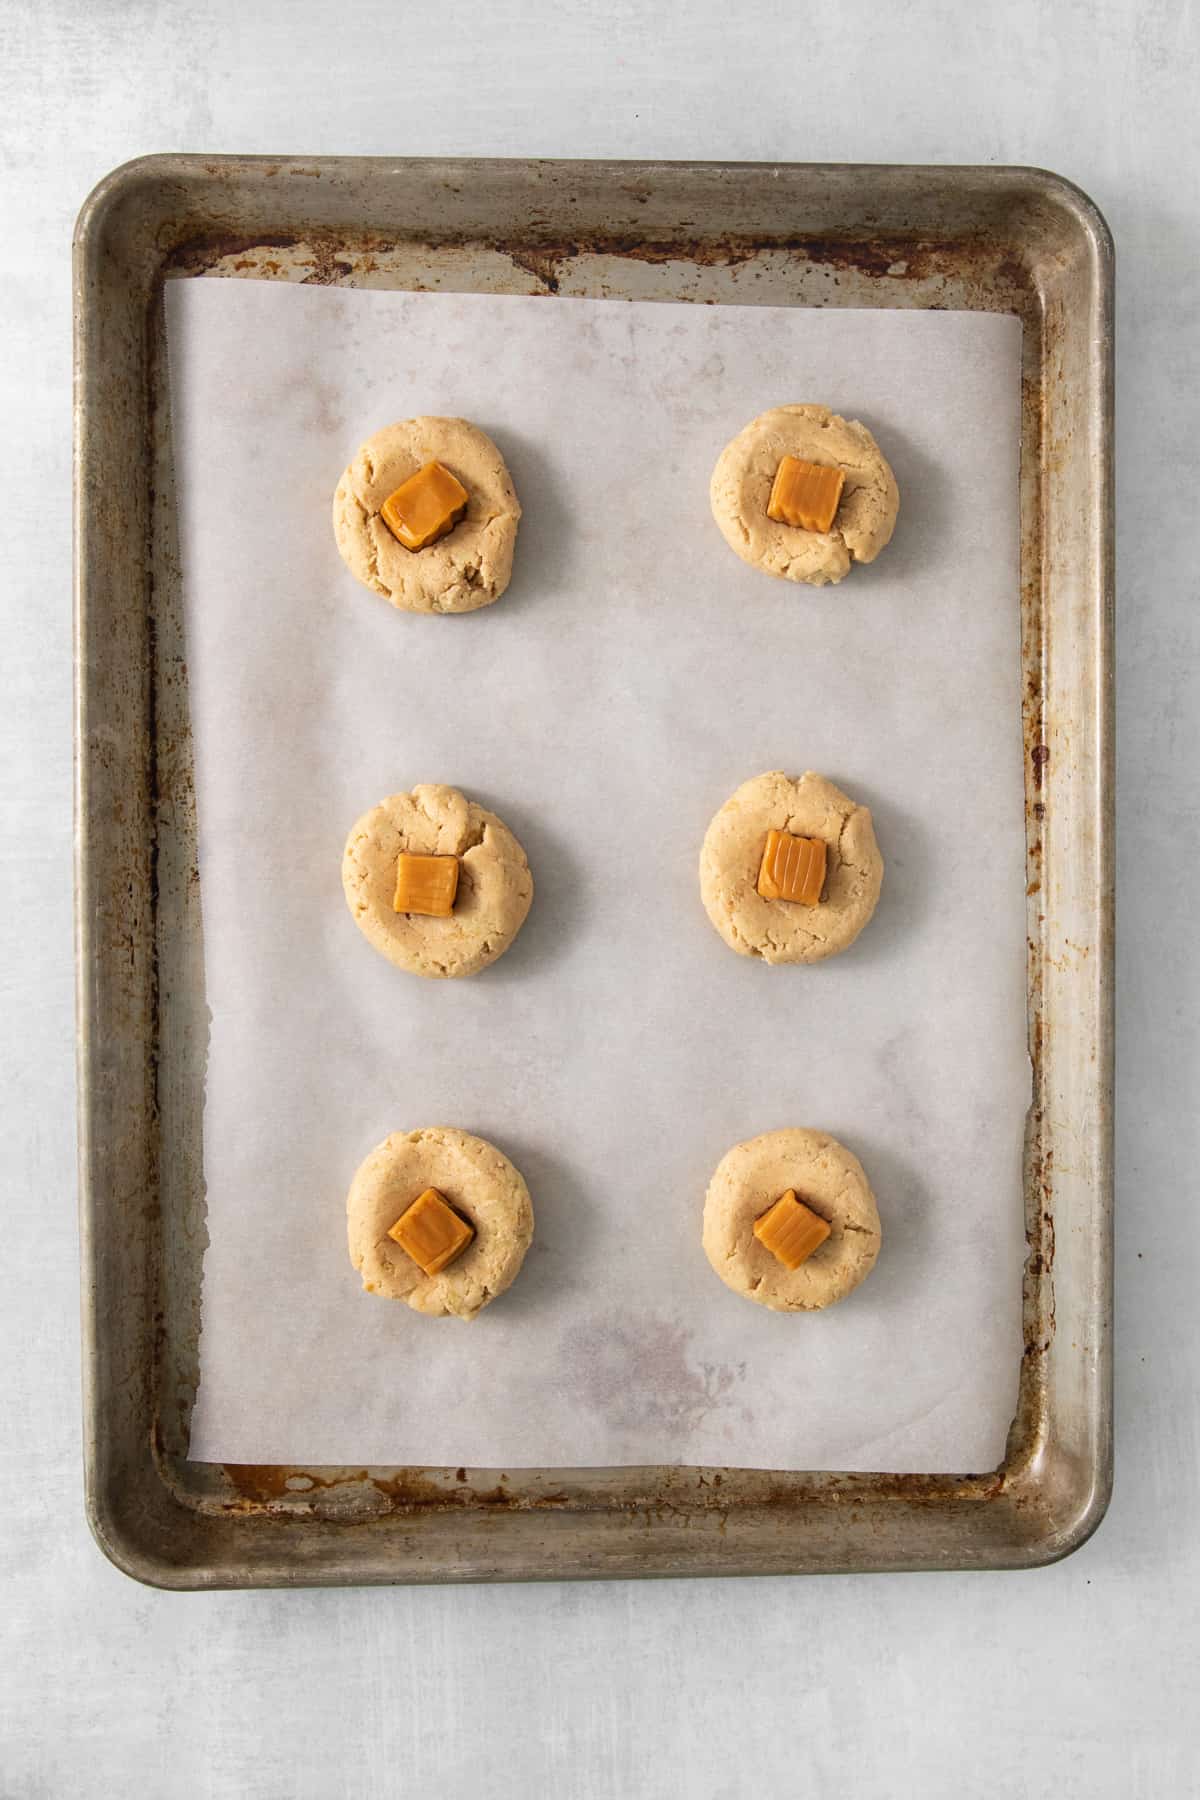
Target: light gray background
1073, 1681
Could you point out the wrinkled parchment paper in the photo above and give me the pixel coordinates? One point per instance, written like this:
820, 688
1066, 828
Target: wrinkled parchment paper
633, 675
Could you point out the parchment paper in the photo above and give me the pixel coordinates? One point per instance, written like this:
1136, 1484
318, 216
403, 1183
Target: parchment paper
633, 675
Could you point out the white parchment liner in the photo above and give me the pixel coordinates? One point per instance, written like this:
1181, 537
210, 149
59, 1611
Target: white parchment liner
633, 675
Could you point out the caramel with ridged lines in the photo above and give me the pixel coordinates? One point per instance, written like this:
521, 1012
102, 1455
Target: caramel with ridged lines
792, 868
805, 494
426, 885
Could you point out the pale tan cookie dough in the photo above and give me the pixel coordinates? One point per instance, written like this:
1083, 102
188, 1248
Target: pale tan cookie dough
465, 570
494, 884
741, 488
781, 931
830, 1182
478, 1182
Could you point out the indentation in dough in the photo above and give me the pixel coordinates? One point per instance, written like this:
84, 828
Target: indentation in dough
461, 572
478, 1180
741, 484
495, 884
826, 1176
776, 930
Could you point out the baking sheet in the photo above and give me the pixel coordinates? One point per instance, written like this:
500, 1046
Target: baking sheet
635, 673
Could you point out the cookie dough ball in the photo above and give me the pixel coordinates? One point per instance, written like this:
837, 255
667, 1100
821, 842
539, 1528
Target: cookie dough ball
494, 884
741, 488
477, 1181
829, 1180
783, 931
468, 568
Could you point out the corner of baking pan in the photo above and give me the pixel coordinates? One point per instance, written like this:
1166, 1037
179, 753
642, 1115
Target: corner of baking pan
126, 1536
1062, 1494
129, 188
1069, 199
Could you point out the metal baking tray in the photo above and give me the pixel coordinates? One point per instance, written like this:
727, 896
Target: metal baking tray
1014, 240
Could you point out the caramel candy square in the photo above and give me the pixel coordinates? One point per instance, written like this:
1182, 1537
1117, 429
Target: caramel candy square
805, 494
792, 868
431, 1232
426, 884
425, 507
791, 1231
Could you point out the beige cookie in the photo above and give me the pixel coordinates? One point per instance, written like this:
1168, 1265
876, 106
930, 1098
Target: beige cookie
465, 570
481, 1186
783, 931
494, 884
741, 487
829, 1181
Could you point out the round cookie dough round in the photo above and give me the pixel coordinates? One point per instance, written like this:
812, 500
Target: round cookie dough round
495, 887
829, 1180
477, 1181
468, 568
783, 931
742, 481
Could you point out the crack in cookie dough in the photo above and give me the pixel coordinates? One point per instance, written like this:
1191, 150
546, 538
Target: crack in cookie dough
494, 893
469, 568
741, 487
829, 1180
478, 1181
780, 931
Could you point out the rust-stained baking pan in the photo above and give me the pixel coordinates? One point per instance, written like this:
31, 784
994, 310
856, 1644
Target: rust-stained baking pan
1016, 240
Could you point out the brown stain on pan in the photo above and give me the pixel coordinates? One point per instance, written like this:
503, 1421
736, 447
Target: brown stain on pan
542, 264
197, 255
684, 1492
327, 262
327, 267
1038, 1318
900, 258
262, 1486
338, 258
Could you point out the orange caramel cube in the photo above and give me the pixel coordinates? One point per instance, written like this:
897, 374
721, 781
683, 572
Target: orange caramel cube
431, 1232
805, 494
426, 884
792, 868
425, 507
790, 1230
